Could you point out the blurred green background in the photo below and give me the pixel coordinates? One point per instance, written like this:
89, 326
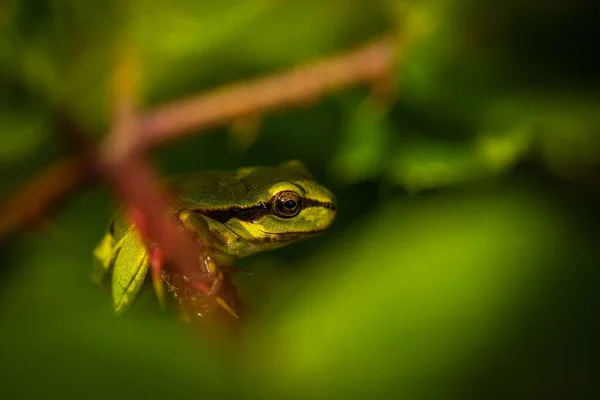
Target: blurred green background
464, 261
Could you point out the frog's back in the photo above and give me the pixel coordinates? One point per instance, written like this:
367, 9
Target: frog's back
242, 188
210, 188
220, 189
204, 188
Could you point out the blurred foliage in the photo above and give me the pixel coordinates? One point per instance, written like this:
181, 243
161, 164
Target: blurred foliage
464, 259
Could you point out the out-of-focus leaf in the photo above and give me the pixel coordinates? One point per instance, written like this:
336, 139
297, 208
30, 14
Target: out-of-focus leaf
176, 42
415, 293
427, 164
202, 42
22, 132
563, 127
410, 299
189, 28
317, 28
442, 69
7, 47
364, 144
58, 327
569, 133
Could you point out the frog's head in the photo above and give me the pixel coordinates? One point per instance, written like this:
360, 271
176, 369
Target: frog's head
280, 205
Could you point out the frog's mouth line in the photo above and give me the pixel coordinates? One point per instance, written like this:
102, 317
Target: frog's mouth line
285, 236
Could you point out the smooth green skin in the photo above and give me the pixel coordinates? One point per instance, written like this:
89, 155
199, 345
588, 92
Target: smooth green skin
232, 213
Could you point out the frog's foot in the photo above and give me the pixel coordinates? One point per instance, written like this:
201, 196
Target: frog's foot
157, 262
216, 285
197, 282
210, 291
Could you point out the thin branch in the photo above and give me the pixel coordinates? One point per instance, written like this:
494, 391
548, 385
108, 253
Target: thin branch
43, 193
368, 64
303, 85
175, 252
136, 184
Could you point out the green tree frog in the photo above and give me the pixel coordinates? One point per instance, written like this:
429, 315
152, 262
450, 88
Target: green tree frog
234, 214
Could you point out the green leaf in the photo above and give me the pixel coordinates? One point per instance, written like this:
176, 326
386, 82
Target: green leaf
22, 132
407, 301
364, 143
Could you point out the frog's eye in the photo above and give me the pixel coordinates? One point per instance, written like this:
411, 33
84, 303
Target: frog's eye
287, 204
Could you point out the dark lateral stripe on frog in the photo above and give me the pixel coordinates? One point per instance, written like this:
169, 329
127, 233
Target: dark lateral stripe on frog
245, 214
253, 213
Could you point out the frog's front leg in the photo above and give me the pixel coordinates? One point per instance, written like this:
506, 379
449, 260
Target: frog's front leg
195, 224
198, 226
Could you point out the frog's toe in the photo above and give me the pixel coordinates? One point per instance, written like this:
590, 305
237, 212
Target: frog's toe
223, 304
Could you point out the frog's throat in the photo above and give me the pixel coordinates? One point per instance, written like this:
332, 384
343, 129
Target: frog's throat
275, 237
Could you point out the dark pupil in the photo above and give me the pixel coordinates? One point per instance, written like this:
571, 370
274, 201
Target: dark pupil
290, 204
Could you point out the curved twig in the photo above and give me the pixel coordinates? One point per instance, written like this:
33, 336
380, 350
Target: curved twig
368, 64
